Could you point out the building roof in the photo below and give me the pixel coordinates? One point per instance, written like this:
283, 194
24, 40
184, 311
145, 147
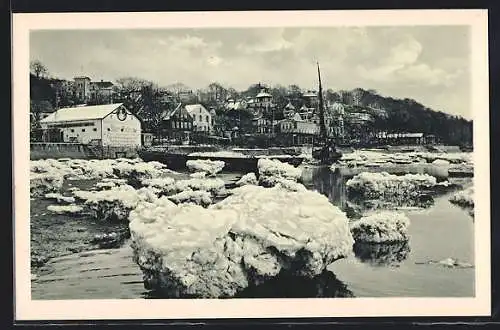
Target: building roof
309, 94
102, 84
289, 106
263, 94
170, 112
194, 108
82, 77
81, 113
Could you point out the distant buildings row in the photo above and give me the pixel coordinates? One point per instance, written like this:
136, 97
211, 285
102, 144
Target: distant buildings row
292, 124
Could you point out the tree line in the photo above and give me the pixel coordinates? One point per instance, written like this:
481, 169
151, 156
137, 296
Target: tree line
150, 101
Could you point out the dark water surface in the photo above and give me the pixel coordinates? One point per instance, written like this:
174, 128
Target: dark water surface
437, 232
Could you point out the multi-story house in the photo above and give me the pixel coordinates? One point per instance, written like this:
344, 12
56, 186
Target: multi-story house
177, 123
202, 118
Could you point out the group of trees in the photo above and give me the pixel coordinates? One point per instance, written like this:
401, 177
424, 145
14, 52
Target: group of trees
150, 101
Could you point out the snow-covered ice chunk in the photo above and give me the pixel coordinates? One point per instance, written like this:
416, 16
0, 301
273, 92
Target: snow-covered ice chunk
42, 183
441, 162
376, 185
249, 178
382, 227
275, 168
163, 186
211, 167
213, 185
198, 197
116, 203
65, 209
198, 175
60, 198
250, 237
464, 198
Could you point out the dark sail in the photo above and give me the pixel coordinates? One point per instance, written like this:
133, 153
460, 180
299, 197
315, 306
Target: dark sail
322, 126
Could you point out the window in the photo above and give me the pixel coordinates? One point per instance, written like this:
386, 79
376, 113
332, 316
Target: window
201, 119
208, 120
83, 129
122, 129
109, 129
72, 131
94, 129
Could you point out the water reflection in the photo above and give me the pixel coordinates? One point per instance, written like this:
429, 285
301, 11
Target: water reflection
325, 285
382, 254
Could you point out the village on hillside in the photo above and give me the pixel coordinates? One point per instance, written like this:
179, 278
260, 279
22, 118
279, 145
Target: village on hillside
261, 116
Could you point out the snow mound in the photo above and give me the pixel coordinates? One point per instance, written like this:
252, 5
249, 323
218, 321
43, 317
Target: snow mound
382, 227
376, 185
43, 183
65, 209
225, 154
250, 237
198, 197
441, 162
60, 198
162, 186
137, 172
211, 167
213, 185
464, 198
198, 175
116, 203
249, 178
275, 168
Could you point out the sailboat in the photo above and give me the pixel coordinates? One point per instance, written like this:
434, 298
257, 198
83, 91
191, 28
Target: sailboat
324, 149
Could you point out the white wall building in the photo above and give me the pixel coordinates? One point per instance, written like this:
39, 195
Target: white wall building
107, 125
202, 119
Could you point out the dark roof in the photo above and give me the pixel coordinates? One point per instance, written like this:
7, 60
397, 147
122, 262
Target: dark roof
170, 112
103, 84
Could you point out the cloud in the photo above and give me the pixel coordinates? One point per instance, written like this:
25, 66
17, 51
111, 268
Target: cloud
266, 42
402, 66
399, 62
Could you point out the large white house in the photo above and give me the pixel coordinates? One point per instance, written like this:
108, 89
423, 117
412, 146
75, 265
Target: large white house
202, 119
107, 125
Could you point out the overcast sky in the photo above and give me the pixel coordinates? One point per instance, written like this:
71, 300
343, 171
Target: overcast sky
429, 64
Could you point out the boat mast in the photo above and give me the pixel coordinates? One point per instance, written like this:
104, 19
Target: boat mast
322, 126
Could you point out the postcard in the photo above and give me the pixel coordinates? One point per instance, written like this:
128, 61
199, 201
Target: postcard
258, 164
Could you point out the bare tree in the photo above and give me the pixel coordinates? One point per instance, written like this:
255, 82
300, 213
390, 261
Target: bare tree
38, 69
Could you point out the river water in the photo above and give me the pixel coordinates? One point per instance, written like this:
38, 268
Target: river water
440, 231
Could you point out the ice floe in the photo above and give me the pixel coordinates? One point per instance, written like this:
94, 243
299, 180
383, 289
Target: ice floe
65, 209
211, 167
198, 197
60, 198
464, 198
381, 227
248, 238
249, 178
376, 185
213, 185
116, 203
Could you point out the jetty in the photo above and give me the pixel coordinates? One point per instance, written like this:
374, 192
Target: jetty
236, 159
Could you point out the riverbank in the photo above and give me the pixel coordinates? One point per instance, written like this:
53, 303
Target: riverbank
112, 273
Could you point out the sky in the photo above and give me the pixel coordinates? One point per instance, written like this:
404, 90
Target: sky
430, 64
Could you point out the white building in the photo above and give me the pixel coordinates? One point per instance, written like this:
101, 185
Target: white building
202, 119
107, 125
